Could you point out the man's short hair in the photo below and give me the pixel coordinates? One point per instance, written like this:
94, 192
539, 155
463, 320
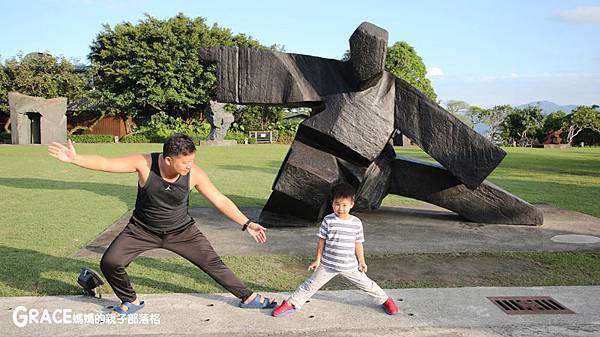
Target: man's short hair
342, 191
178, 144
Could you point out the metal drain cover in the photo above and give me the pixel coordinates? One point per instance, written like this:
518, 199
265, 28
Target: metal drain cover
529, 305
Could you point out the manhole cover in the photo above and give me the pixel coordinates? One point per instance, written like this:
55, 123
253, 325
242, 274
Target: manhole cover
529, 305
575, 238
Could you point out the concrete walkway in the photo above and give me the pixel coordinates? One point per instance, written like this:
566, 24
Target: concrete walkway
424, 312
420, 228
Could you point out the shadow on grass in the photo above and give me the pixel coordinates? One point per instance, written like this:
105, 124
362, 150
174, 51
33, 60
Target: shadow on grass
271, 167
242, 201
570, 196
537, 160
125, 193
28, 271
566, 195
193, 272
574, 165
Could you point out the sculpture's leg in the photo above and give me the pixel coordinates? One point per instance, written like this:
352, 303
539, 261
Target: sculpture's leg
372, 182
302, 187
283, 211
434, 184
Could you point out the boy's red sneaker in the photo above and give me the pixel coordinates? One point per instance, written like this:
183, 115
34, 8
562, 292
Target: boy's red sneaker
390, 307
284, 309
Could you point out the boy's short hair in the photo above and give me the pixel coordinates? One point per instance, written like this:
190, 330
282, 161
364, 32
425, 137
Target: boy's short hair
178, 144
342, 191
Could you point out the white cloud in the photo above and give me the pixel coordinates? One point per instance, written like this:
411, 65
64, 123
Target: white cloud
434, 71
589, 14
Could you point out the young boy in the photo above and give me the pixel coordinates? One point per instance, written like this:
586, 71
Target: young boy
340, 242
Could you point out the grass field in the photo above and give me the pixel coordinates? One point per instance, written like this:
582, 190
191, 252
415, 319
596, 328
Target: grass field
50, 210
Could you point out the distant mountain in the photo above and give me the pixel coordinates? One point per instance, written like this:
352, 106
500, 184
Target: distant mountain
549, 107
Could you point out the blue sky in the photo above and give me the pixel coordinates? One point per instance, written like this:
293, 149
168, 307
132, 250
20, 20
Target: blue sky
482, 52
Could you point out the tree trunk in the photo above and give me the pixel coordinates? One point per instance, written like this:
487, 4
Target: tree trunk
573, 132
128, 124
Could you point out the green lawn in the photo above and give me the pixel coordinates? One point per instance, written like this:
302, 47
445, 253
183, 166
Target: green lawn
50, 210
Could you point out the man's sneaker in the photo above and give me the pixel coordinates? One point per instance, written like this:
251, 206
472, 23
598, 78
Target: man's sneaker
284, 309
390, 307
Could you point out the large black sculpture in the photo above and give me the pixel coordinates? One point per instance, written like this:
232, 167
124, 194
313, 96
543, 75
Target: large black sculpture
357, 107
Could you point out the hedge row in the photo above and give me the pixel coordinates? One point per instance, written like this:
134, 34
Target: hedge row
92, 138
239, 137
142, 138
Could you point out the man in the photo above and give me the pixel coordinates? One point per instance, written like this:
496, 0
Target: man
161, 219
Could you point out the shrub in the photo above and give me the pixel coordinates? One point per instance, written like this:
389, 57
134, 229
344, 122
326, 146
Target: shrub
286, 137
153, 138
5, 138
164, 125
92, 138
143, 138
238, 136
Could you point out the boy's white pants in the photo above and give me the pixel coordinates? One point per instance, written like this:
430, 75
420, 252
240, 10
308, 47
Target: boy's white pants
323, 274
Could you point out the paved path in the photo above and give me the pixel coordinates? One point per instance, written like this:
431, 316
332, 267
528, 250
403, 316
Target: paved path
418, 229
424, 312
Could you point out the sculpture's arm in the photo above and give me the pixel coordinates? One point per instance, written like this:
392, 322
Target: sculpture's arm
469, 156
258, 76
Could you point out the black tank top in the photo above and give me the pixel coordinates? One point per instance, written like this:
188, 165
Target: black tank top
162, 206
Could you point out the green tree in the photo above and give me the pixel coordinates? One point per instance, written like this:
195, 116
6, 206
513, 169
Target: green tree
582, 117
4, 89
554, 121
492, 117
459, 109
522, 125
154, 65
403, 61
41, 74
257, 117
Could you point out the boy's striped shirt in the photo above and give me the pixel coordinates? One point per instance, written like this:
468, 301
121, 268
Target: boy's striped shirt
340, 239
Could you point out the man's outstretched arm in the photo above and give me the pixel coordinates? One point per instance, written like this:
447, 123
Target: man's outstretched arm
68, 154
